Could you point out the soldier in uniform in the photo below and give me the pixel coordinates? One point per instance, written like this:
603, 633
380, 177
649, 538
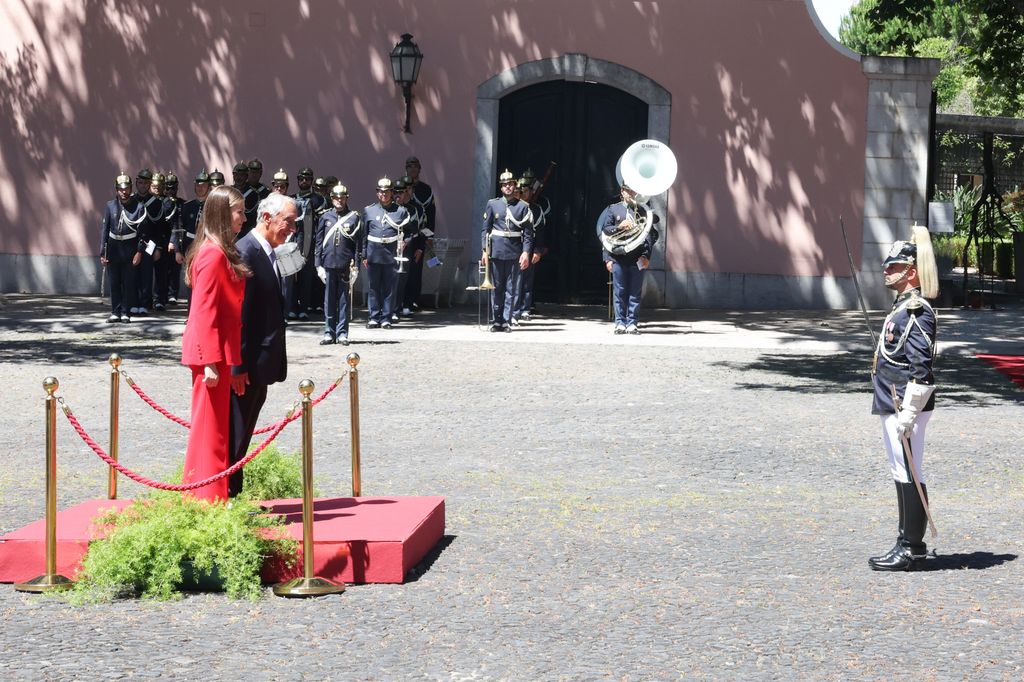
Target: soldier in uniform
279, 185
524, 295
191, 213
173, 266
121, 246
627, 267
216, 178
337, 243
903, 391
423, 198
301, 301
413, 245
152, 226
253, 193
240, 176
506, 241
384, 222
166, 227
321, 189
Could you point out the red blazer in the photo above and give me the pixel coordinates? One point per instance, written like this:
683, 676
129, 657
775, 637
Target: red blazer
213, 331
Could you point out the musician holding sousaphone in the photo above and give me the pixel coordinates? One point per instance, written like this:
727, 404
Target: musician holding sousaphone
626, 228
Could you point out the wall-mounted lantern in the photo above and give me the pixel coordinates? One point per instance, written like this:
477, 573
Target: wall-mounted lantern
405, 69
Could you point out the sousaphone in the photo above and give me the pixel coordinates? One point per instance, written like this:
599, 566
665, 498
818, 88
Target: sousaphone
647, 167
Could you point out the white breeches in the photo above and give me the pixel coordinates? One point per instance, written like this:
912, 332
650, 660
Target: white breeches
894, 447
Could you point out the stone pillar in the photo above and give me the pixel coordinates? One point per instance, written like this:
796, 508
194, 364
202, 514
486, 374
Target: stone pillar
895, 160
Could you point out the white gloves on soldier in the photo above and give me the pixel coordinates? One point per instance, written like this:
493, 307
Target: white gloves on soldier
914, 399
321, 273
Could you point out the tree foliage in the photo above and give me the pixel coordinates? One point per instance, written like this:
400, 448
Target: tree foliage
980, 43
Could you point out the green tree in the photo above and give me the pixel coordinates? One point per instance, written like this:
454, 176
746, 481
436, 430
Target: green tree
980, 43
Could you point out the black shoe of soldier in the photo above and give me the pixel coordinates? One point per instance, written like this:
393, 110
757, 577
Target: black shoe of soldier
343, 340
113, 318
495, 327
899, 558
326, 341
373, 324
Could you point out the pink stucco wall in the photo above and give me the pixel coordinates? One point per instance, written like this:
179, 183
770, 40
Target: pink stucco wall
767, 118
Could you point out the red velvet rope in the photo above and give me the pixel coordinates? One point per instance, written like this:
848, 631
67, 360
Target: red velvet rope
77, 426
188, 425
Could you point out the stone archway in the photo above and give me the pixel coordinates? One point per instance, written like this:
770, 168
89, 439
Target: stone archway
570, 67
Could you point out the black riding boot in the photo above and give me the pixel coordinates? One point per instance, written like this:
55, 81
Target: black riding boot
910, 547
887, 557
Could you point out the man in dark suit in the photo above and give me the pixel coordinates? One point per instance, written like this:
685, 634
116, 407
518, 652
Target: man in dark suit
264, 360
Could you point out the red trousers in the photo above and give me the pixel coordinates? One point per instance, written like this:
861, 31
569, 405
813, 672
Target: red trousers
208, 440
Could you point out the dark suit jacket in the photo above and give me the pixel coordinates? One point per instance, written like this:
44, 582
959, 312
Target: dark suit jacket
263, 349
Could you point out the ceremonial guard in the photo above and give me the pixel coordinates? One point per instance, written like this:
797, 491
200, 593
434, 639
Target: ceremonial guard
627, 235
538, 214
152, 227
506, 241
384, 222
337, 243
423, 198
142, 182
240, 176
410, 247
191, 213
253, 192
216, 178
279, 185
309, 204
904, 391
173, 266
163, 259
121, 246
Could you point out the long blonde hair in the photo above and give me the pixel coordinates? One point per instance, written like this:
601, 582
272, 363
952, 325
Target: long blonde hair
215, 227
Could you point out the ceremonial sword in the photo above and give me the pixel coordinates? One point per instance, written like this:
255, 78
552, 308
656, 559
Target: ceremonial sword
908, 452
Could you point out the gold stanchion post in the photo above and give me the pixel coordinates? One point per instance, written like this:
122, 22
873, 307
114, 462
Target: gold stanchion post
308, 585
353, 399
115, 398
50, 581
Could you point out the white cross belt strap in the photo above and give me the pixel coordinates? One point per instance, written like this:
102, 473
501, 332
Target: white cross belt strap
382, 240
505, 233
123, 237
190, 235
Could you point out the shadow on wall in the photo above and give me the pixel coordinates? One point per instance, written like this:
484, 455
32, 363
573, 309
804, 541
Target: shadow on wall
99, 85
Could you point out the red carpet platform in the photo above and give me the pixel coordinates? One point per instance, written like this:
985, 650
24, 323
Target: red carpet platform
355, 540
1011, 366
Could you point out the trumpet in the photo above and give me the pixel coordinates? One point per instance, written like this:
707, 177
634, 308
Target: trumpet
487, 284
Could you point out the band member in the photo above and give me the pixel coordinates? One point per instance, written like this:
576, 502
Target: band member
253, 191
191, 214
142, 182
423, 198
336, 244
506, 241
216, 178
240, 176
210, 345
627, 266
524, 296
310, 205
264, 359
152, 227
411, 247
903, 366
384, 221
121, 246
167, 226
173, 266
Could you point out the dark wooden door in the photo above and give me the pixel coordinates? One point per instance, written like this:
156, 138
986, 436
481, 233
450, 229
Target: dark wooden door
583, 128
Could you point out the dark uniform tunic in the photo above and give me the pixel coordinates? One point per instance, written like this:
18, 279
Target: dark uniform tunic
337, 242
423, 198
162, 267
383, 230
524, 297
155, 229
906, 348
300, 297
414, 241
509, 225
121, 238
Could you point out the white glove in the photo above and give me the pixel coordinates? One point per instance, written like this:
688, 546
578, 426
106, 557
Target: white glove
914, 399
321, 273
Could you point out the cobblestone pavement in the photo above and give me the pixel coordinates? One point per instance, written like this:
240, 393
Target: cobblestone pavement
698, 502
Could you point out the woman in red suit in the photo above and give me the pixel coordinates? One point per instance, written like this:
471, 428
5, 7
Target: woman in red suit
213, 336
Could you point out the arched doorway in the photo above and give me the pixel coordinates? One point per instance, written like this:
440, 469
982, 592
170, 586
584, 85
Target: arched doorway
582, 128
587, 112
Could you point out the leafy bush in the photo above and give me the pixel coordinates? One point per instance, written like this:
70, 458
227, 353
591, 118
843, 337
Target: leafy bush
273, 475
148, 542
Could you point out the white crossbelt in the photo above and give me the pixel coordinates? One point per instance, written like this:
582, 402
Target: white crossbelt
383, 240
506, 233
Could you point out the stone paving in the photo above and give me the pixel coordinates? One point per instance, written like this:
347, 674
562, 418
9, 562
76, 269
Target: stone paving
694, 503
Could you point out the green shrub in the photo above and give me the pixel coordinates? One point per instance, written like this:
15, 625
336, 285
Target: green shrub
147, 543
273, 475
